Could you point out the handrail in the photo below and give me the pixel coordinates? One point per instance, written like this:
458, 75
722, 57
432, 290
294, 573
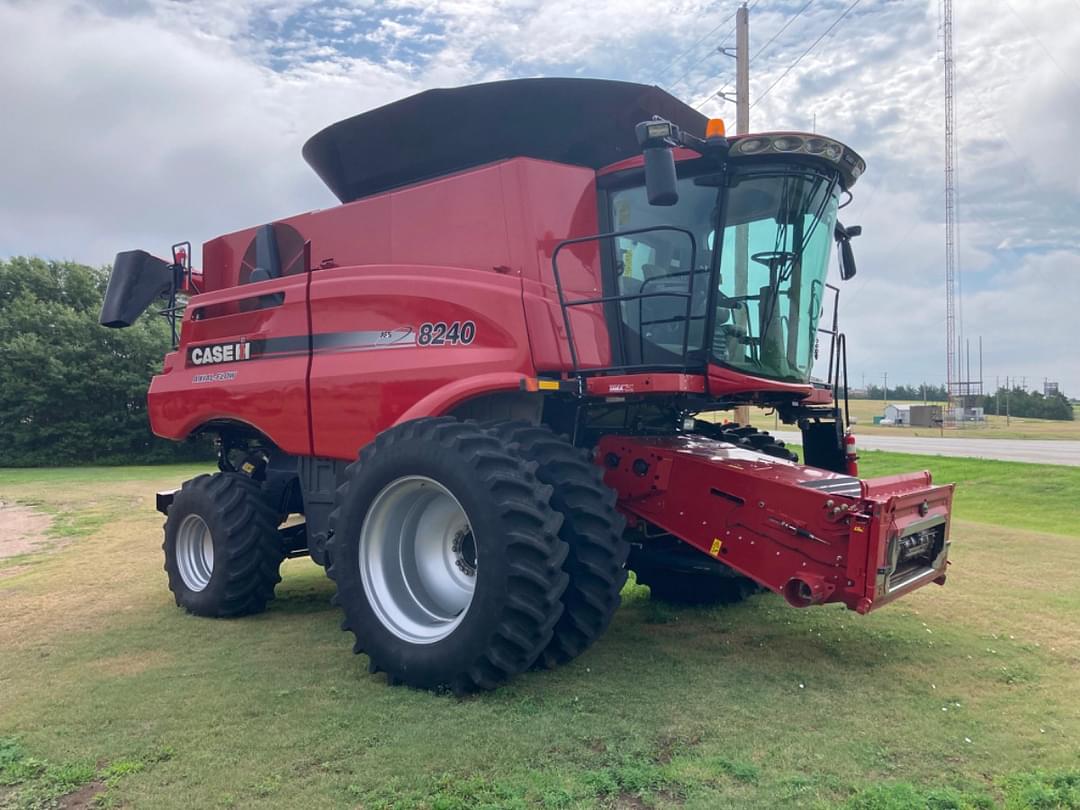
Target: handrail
565, 305
841, 357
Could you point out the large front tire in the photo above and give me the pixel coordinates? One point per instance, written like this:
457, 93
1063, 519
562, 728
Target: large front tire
446, 556
222, 548
592, 528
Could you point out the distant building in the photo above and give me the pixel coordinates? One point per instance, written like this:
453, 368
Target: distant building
912, 415
968, 414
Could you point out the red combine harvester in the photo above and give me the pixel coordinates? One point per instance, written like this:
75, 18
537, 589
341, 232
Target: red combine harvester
480, 381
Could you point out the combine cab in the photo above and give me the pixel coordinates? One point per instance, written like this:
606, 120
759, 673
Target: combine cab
489, 381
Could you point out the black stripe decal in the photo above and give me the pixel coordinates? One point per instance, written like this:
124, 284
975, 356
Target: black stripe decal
294, 345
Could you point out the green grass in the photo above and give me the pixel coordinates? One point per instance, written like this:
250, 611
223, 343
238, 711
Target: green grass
1040, 497
958, 697
60, 476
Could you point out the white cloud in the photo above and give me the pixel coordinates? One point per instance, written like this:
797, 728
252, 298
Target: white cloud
135, 133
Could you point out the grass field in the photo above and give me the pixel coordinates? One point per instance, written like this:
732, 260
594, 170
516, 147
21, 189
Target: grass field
863, 412
957, 697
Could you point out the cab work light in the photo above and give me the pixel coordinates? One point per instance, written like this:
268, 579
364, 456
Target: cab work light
657, 132
794, 143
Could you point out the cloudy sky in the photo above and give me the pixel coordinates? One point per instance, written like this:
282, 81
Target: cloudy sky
138, 123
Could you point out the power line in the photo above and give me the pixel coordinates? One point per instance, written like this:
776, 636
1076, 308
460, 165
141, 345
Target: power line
1041, 44
772, 39
719, 48
782, 30
713, 52
697, 42
803, 55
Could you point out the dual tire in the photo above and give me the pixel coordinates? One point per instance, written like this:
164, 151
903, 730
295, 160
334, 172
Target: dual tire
222, 548
464, 554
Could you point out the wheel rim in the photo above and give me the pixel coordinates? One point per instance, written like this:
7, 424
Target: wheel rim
195, 553
418, 559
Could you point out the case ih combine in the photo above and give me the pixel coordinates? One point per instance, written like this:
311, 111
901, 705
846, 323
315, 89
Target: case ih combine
479, 380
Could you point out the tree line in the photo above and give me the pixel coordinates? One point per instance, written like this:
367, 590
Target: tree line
1032, 404
929, 393
72, 391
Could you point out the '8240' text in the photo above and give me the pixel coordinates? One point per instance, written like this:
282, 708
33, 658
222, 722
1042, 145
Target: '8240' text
440, 333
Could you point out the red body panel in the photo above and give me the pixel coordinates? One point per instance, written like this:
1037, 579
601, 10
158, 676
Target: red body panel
475, 246
359, 390
621, 384
762, 516
270, 395
729, 381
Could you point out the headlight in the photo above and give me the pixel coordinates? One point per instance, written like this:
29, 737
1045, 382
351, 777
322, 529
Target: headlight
824, 147
788, 143
751, 146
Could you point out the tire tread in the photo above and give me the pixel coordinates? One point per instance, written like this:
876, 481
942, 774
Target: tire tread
592, 529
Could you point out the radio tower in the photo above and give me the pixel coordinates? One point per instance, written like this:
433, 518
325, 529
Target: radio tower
952, 378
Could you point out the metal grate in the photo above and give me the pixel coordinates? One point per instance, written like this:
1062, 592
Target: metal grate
841, 485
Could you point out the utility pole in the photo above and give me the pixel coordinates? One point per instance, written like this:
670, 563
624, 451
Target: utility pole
742, 70
742, 126
885, 386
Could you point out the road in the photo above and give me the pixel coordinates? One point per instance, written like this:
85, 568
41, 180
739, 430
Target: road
1040, 451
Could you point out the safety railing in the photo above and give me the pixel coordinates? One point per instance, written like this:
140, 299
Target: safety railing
837, 376
640, 296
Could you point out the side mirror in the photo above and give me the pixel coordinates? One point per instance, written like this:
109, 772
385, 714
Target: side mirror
660, 180
843, 238
847, 260
656, 138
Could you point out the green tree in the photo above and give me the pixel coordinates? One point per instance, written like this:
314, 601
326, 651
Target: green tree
72, 391
915, 393
1032, 404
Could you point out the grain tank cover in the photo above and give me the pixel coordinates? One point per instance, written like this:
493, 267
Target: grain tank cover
586, 122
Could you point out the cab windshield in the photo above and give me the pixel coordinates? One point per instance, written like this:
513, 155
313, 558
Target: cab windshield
758, 260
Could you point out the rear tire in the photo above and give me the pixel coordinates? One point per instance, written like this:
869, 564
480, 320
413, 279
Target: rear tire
222, 548
745, 436
592, 528
425, 503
